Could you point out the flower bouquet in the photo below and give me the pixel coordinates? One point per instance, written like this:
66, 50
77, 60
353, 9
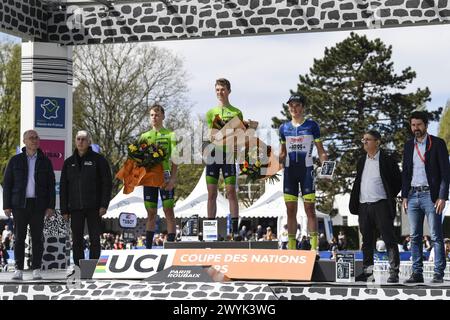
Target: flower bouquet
146, 155
229, 134
255, 157
218, 123
228, 130
258, 164
143, 166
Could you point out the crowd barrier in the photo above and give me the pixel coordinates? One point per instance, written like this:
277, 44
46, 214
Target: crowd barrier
381, 270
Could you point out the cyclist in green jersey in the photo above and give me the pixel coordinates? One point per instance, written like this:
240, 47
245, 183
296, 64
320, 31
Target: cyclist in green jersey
226, 112
166, 138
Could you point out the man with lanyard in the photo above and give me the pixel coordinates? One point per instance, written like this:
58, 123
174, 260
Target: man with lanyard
223, 158
166, 138
297, 138
425, 184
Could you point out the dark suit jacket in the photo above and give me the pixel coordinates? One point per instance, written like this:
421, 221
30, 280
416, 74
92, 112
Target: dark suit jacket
436, 166
86, 182
16, 179
390, 176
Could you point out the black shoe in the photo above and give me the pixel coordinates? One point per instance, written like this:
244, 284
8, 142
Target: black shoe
415, 278
437, 279
364, 277
393, 278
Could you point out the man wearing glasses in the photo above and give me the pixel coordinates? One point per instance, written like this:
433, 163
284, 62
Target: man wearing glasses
29, 194
373, 199
85, 192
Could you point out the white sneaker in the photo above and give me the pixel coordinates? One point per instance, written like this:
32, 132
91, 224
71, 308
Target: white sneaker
18, 275
37, 274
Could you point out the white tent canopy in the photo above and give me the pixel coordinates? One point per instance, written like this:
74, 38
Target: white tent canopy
197, 202
131, 203
271, 204
341, 202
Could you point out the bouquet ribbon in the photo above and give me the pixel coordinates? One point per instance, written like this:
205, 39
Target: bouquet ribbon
132, 175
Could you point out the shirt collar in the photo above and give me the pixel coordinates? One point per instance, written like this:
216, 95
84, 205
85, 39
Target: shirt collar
298, 124
34, 156
424, 141
375, 157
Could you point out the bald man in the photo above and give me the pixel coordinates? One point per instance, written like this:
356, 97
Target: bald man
85, 192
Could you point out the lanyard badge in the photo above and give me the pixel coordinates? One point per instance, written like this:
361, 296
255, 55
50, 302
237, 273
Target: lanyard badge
428, 149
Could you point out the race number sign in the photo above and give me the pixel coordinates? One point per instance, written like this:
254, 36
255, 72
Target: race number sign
345, 267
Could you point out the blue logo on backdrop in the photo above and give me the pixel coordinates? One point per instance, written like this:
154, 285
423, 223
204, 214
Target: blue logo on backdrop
50, 112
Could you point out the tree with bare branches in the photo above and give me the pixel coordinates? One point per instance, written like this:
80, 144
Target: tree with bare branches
115, 85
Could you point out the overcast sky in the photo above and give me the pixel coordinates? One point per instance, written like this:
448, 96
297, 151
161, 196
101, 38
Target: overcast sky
262, 69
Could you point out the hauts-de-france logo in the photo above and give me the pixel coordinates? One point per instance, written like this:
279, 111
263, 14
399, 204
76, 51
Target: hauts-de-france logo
50, 112
50, 108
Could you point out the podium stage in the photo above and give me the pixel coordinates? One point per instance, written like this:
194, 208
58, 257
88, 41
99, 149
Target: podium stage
54, 288
222, 245
89, 283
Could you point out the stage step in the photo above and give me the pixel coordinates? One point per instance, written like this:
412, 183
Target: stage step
221, 245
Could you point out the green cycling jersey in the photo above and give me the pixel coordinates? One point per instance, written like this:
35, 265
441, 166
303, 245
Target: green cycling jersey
164, 137
226, 113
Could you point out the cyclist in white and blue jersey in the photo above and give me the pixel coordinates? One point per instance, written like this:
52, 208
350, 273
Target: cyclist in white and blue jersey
298, 138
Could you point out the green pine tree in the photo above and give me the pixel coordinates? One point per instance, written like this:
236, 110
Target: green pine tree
351, 89
10, 64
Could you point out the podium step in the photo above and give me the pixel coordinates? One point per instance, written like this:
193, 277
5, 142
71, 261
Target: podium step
325, 270
221, 245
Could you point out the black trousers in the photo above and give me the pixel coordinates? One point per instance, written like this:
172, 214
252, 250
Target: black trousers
34, 217
377, 216
94, 224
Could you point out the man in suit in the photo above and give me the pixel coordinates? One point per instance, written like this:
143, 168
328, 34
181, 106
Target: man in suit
373, 199
425, 185
29, 194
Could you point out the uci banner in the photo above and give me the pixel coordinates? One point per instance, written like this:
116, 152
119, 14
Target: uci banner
258, 264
